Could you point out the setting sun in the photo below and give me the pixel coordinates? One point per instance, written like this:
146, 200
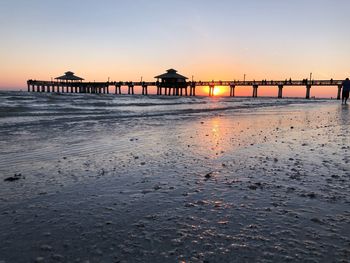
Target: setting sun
219, 91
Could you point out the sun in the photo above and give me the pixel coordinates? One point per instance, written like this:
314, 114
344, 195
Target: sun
218, 90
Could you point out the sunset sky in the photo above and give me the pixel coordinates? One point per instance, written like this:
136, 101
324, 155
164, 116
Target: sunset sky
220, 40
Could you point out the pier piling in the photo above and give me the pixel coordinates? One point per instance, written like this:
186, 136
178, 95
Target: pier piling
232, 90
211, 90
280, 91
144, 89
255, 91
339, 91
131, 88
118, 88
193, 89
308, 88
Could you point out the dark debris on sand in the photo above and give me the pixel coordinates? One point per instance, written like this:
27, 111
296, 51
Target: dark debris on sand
14, 178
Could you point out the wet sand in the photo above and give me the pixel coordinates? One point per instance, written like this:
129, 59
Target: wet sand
268, 185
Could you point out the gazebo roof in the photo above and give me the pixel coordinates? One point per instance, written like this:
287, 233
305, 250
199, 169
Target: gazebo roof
69, 75
171, 74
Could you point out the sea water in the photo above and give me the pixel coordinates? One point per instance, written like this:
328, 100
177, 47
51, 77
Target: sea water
45, 108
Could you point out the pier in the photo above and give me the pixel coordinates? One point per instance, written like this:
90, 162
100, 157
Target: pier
172, 84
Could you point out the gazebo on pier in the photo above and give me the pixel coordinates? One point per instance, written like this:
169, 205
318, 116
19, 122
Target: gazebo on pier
71, 82
70, 77
171, 81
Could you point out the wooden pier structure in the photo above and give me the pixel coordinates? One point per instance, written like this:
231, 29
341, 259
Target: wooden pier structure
169, 84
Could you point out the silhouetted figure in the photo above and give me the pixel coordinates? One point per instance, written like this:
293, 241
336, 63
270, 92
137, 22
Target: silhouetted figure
346, 90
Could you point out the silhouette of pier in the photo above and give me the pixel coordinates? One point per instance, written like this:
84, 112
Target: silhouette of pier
171, 84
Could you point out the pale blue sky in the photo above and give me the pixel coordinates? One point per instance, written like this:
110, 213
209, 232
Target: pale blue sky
209, 39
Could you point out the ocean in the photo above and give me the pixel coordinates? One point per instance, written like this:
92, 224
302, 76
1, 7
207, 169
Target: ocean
31, 108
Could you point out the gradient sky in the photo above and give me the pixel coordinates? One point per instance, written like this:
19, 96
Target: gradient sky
209, 39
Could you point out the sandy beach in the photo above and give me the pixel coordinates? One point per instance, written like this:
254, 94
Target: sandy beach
97, 179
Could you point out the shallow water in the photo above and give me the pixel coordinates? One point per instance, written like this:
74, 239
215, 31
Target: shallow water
163, 179
17, 107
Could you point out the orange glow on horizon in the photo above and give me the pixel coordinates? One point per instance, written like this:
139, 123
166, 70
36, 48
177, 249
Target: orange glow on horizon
268, 91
